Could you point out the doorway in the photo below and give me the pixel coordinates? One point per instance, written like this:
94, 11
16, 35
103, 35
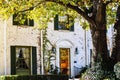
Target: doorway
65, 61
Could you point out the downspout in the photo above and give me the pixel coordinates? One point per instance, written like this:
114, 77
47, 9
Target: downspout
5, 61
85, 50
42, 56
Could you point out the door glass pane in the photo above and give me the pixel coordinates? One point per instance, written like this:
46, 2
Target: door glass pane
64, 60
22, 60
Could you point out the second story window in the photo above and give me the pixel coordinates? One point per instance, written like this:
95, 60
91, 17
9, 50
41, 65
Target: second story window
63, 23
21, 19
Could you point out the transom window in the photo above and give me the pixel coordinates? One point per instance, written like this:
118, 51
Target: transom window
63, 23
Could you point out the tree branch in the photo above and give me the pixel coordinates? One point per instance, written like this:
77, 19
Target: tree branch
108, 2
31, 8
77, 9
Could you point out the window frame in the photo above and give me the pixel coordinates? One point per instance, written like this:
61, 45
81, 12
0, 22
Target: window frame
33, 63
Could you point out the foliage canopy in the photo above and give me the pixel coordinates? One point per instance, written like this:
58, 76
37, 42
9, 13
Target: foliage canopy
42, 10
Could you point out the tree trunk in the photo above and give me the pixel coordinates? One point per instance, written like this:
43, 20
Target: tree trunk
116, 48
100, 51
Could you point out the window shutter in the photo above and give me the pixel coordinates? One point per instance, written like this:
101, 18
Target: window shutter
26, 22
14, 21
34, 61
72, 27
31, 22
13, 59
56, 22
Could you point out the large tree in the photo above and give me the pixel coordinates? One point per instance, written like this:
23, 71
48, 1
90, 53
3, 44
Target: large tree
97, 13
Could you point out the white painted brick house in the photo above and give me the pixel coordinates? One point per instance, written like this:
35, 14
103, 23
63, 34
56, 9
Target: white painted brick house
22, 44
26, 40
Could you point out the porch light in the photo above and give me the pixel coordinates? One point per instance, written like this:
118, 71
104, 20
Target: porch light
53, 49
76, 50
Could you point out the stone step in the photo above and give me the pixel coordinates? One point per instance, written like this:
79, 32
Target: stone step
75, 79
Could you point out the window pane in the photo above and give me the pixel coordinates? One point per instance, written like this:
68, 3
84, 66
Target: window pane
21, 19
63, 23
22, 60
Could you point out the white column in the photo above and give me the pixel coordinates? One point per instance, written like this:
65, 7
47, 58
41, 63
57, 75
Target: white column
85, 49
5, 61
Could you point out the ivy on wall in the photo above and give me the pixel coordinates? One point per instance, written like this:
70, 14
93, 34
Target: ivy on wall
48, 54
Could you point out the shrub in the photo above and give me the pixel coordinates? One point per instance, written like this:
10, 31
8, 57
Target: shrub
34, 77
117, 70
94, 73
10, 77
97, 73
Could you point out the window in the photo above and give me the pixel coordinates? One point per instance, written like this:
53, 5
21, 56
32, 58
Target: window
21, 60
20, 19
63, 23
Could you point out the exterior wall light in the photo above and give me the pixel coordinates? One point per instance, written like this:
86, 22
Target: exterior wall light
53, 49
76, 50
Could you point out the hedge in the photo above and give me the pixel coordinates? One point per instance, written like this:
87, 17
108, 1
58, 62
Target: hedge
34, 77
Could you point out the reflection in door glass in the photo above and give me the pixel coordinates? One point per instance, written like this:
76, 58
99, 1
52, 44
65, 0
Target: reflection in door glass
64, 60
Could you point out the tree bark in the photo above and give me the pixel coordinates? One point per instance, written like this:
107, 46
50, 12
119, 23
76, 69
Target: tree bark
116, 47
100, 51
